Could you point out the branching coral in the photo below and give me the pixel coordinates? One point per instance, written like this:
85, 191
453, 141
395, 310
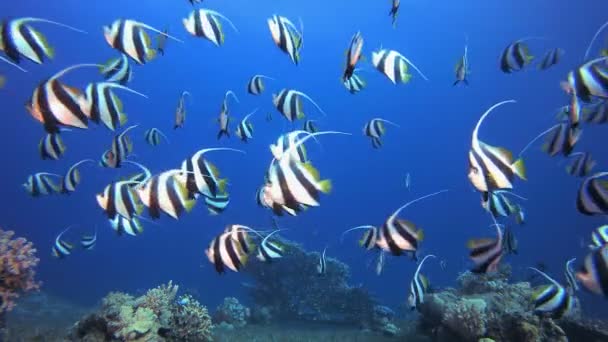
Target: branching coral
191, 322
17, 269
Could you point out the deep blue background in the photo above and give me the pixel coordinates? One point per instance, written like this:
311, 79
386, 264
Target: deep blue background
436, 123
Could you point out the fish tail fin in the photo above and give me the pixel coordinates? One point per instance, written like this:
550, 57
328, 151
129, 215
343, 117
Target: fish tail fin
520, 168
326, 186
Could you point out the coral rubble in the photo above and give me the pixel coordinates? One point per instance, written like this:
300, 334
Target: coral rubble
155, 316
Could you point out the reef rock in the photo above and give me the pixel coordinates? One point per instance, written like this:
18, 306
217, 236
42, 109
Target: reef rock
153, 317
232, 312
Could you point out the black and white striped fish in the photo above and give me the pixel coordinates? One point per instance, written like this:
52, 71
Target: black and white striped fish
492, 168
585, 84
499, 204
596, 113
216, 205
245, 128
354, 84
289, 103
224, 118
515, 57
394, 12
486, 253
120, 199
88, 242
18, 39
122, 225
117, 70
41, 184
72, 177
353, 56
203, 177
61, 248
166, 192
122, 147
581, 164
310, 127
322, 266
286, 36
152, 136
55, 104
193, 2
599, 237
550, 58
572, 283
399, 236
180, 111
593, 195
51, 146
510, 241
129, 37
594, 273
552, 300
104, 106
462, 67
419, 286
375, 129
255, 86
394, 65
270, 250
284, 143
562, 139
205, 23
230, 249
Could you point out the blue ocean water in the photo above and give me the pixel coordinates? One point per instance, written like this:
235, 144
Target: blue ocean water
435, 118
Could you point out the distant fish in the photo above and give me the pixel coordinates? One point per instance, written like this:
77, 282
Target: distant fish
61, 248
88, 242
593, 195
161, 41
117, 70
486, 253
419, 286
41, 184
121, 148
152, 136
593, 273
205, 23
552, 300
310, 127
72, 177
322, 265
104, 106
194, 2
270, 250
286, 36
551, 58
166, 192
581, 165
354, 84
394, 11
224, 118
180, 111
515, 56
289, 103
19, 40
462, 67
562, 139
269, 117
255, 86
375, 129
492, 168
596, 113
408, 181
353, 56
570, 277
245, 128
499, 204
381, 259
51, 146
599, 237
394, 65
129, 37
586, 83
510, 241
399, 236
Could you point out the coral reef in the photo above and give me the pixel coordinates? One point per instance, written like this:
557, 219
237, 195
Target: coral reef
17, 269
489, 307
291, 289
232, 312
155, 316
